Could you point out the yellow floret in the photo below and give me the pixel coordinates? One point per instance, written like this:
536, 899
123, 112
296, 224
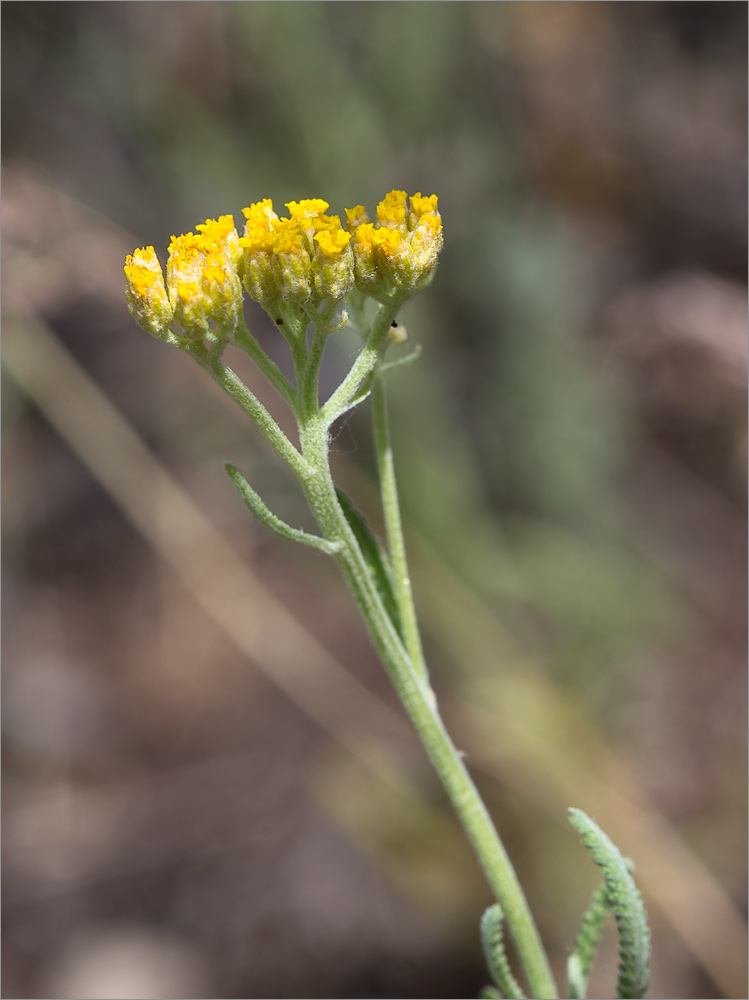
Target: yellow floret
356, 216
260, 213
141, 279
287, 236
423, 205
143, 257
321, 222
216, 230
258, 240
204, 288
431, 225
388, 241
364, 234
288, 241
306, 208
184, 250
187, 291
332, 242
215, 271
391, 211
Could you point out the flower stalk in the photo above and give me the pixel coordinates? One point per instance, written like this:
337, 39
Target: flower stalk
308, 272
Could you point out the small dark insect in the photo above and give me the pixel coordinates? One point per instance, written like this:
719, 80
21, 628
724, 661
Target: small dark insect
393, 323
279, 322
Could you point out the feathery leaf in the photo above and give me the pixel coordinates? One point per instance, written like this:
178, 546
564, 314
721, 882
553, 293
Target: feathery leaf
584, 950
492, 941
626, 904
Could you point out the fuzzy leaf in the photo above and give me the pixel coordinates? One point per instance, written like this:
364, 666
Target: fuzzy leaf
584, 950
626, 904
266, 517
492, 941
375, 558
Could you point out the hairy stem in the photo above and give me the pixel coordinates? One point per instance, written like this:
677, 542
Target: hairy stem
244, 340
419, 702
364, 365
394, 526
403, 660
258, 414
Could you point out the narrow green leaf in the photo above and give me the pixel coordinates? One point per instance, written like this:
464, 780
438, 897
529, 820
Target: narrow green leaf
266, 516
492, 941
405, 360
584, 950
375, 558
626, 904
490, 993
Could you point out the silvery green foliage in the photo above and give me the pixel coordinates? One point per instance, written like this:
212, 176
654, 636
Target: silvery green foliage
492, 941
377, 562
584, 950
625, 902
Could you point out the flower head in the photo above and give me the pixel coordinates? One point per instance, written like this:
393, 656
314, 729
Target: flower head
145, 292
391, 211
302, 259
201, 273
397, 254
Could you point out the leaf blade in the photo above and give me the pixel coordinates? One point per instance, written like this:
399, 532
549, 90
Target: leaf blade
626, 904
375, 558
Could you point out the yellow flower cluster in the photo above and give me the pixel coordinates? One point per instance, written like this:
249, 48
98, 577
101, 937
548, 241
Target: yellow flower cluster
302, 257
398, 253
309, 254
298, 261
202, 291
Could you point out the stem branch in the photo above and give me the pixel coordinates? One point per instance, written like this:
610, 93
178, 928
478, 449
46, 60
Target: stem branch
394, 526
235, 387
403, 660
244, 340
419, 702
364, 365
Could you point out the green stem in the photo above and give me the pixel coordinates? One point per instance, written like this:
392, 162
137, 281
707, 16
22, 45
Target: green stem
310, 376
394, 526
244, 340
404, 663
257, 413
419, 702
364, 365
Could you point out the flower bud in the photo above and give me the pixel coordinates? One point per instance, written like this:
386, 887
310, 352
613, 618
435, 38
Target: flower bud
145, 292
293, 261
391, 212
355, 217
333, 264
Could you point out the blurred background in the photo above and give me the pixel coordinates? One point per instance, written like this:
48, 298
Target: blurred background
210, 789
